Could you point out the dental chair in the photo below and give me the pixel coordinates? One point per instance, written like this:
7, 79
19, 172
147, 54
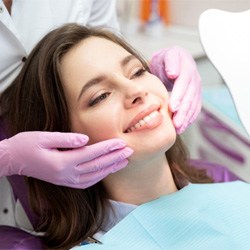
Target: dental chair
17, 239
14, 238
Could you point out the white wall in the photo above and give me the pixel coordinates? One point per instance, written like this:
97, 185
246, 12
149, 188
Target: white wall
183, 12
187, 12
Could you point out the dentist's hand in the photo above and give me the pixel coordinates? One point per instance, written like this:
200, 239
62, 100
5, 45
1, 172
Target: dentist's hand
177, 69
36, 154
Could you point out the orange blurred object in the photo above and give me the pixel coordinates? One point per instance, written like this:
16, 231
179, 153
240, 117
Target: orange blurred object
145, 10
162, 9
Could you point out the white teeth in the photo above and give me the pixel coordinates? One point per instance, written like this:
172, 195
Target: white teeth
143, 121
147, 118
137, 125
154, 114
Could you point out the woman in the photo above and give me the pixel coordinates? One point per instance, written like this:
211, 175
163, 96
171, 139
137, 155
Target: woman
23, 24
79, 79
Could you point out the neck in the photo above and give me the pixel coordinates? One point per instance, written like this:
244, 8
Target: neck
140, 184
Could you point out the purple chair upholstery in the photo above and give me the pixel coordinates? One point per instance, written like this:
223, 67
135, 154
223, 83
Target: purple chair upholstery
17, 239
20, 191
218, 172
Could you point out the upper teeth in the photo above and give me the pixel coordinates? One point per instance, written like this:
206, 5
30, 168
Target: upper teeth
143, 121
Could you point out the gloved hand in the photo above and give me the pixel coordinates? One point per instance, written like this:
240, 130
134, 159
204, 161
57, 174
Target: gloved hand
36, 154
177, 69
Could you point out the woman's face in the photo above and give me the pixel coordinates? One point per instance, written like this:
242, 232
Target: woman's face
110, 95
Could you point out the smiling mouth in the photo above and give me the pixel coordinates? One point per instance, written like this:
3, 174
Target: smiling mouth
149, 121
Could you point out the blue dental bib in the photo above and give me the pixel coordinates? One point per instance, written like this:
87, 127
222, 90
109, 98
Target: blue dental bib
200, 216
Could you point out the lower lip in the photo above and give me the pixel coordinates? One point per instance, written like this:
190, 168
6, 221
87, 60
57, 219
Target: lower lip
151, 124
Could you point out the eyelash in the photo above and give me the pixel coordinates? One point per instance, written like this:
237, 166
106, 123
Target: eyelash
99, 98
103, 96
139, 72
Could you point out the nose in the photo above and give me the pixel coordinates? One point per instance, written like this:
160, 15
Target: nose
135, 94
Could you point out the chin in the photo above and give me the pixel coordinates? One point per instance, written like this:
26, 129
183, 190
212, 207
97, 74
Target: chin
152, 147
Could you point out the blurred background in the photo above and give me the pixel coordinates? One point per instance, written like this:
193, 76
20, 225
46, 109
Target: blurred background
149, 25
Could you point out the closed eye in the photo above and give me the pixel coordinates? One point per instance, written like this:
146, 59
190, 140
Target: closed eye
139, 73
99, 98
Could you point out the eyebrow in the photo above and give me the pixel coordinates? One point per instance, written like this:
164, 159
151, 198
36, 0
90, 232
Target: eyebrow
100, 78
127, 59
89, 84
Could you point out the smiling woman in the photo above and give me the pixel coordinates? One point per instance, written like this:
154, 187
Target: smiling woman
91, 81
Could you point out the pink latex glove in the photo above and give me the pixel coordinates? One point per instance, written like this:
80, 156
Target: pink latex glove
36, 154
177, 69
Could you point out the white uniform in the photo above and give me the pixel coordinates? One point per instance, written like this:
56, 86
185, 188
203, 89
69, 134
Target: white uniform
29, 21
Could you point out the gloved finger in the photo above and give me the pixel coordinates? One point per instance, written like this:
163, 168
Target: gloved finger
187, 122
184, 112
156, 61
196, 105
52, 140
104, 161
157, 65
87, 180
88, 153
179, 91
172, 63
192, 114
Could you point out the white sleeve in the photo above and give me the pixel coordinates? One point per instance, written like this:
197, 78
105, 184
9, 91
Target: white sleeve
104, 13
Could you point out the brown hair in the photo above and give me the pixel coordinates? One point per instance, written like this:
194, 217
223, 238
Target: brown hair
36, 102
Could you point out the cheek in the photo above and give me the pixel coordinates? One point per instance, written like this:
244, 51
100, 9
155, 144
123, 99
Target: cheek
156, 87
97, 127
163, 92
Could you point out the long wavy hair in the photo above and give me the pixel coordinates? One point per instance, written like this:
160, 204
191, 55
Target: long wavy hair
36, 102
